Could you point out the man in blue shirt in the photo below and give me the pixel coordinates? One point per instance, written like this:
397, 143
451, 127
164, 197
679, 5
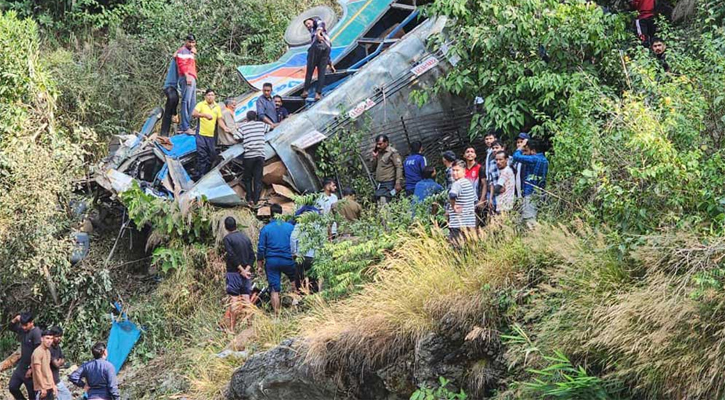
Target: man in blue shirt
282, 112
518, 167
98, 377
426, 187
536, 166
413, 167
266, 110
275, 254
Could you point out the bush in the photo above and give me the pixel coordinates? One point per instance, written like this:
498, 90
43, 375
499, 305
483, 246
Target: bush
441, 393
525, 58
125, 48
39, 160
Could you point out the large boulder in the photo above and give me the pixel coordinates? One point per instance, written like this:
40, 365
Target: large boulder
278, 374
471, 359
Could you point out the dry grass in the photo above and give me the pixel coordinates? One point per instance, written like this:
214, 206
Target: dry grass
246, 223
424, 282
667, 335
637, 321
209, 375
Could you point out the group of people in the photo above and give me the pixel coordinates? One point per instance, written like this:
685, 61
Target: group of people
41, 359
476, 191
217, 126
278, 250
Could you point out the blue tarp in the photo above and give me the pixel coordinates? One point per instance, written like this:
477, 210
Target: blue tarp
123, 338
183, 145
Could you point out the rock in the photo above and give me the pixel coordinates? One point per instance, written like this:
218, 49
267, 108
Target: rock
274, 173
284, 191
278, 374
436, 356
473, 362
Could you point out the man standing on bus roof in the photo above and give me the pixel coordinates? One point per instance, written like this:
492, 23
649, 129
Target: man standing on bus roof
318, 55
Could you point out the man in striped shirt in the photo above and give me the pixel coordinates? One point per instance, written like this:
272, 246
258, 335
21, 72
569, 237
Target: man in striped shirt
251, 133
462, 197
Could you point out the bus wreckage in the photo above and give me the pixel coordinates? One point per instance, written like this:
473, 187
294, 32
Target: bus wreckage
380, 50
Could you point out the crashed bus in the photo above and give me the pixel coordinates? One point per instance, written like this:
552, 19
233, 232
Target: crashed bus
381, 52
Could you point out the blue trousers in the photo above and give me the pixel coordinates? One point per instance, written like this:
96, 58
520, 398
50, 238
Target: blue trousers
188, 102
205, 154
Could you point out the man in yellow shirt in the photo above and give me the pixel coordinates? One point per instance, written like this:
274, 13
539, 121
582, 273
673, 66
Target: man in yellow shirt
43, 382
209, 113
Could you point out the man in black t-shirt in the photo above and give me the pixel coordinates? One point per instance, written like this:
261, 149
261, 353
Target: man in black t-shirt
57, 360
240, 258
29, 336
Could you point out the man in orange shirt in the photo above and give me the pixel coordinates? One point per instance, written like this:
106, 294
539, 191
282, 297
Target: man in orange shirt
43, 382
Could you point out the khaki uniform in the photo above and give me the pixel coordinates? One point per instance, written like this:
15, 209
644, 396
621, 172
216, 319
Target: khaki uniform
388, 166
348, 208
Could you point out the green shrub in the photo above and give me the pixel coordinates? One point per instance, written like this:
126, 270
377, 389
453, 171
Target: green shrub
440, 393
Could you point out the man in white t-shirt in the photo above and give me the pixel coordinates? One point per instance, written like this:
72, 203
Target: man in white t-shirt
327, 199
505, 186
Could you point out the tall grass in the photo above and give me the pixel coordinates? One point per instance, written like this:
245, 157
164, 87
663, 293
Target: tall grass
650, 323
424, 282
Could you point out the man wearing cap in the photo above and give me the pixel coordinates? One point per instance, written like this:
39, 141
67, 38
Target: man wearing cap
30, 338
318, 55
57, 360
186, 63
42, 375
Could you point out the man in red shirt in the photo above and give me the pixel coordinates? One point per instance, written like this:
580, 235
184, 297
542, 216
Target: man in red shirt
646, 28
186, 63
474, 171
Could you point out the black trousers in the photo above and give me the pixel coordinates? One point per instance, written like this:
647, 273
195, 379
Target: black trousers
172, 101
646, 30
205, 154
301, 271
252, 178
16, 381
318, 56
48, 395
